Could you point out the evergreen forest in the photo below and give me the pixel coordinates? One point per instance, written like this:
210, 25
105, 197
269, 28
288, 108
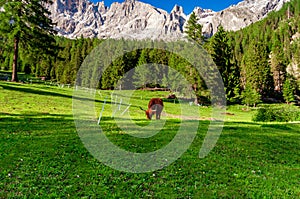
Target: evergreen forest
257, 63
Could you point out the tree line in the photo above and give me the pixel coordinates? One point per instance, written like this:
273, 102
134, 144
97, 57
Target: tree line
267, 54
261, 61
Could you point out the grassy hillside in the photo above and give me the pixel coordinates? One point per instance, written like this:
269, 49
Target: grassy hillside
41, 154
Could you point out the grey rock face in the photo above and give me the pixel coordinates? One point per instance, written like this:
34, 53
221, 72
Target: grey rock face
238, 16
136, 20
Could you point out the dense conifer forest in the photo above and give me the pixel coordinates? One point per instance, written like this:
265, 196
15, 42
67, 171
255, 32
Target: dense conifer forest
259, 62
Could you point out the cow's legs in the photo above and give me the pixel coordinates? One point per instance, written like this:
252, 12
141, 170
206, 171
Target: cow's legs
157, 115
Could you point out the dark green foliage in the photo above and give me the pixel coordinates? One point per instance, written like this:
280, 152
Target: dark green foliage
222, 55
250, 96
194, 29
288, 91
191, 75
70, 57
143, 75
268, 43
256, 70
282, 114
26, 24
258, 55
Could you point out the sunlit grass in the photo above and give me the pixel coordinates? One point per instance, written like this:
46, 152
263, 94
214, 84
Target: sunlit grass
42, 156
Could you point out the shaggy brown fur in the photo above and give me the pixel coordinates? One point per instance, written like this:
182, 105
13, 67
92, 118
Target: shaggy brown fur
155, 106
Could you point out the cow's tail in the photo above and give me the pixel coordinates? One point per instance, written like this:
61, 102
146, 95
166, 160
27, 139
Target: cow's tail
142, 108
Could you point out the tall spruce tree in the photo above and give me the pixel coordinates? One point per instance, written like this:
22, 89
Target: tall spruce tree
142, 73
256, 69
194, 29
222, 55
288, 91
26, 23
250, 96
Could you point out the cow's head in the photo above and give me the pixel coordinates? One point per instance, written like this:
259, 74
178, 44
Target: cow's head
150, 113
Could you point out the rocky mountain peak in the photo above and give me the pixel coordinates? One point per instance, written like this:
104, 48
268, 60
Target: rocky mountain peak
238, 16
177, 9
199, 10
100, 7
138, 20
129, 1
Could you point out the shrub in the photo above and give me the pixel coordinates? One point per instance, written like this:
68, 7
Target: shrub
278, 114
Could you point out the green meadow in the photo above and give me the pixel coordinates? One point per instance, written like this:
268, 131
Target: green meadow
42, 155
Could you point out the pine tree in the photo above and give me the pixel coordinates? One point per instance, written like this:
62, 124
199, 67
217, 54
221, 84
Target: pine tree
222, 55
256, 69
7, 60
158, 58
76, 61
250, 96
288, 91
194, 29
142, 74
278, 68
26, 23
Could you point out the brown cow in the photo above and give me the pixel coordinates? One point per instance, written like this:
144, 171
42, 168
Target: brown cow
155, 106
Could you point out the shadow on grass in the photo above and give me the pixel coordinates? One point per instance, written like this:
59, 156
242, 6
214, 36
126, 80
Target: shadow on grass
45, 152
16, 87
35, 123
34, 115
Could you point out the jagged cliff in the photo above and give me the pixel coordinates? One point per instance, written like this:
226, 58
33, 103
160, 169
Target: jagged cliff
138, 20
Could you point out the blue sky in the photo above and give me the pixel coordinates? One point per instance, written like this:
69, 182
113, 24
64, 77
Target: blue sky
188, 5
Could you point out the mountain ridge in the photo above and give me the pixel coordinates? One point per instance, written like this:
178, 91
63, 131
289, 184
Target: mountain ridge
133, 19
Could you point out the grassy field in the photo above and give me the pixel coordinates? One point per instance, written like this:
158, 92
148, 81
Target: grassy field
42, 156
